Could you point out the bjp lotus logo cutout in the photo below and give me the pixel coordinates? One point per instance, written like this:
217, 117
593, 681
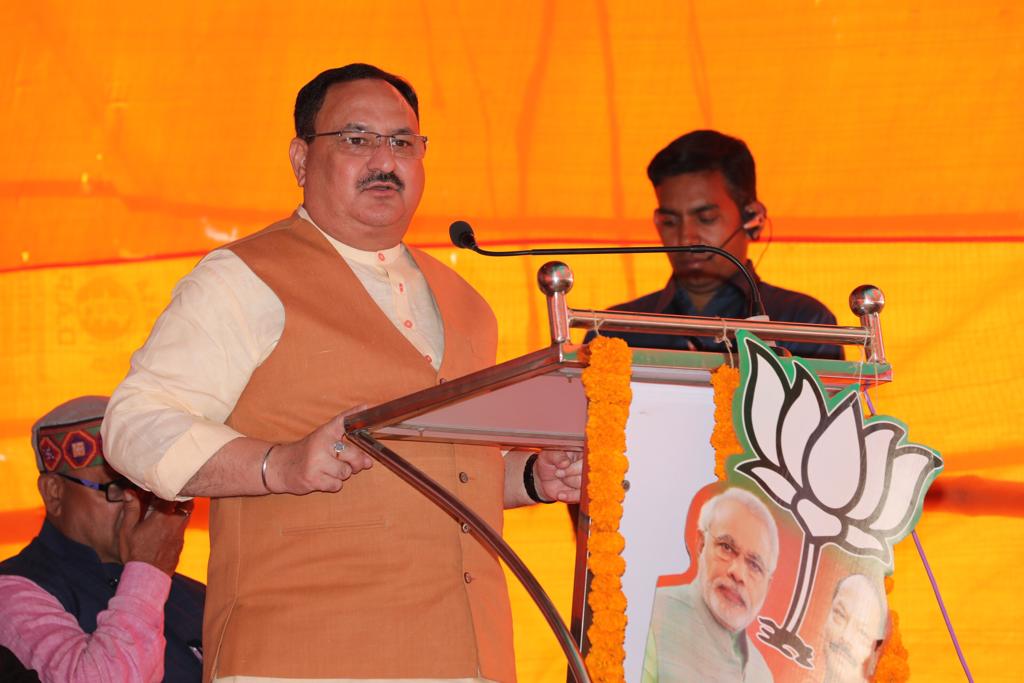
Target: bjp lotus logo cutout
849, 481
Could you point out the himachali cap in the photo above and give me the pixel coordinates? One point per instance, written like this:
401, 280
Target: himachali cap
68, 437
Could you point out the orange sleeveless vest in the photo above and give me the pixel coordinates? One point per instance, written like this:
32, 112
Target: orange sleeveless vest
373, 581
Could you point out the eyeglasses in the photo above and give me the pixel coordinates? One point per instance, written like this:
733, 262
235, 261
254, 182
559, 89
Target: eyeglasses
363, 143
113, 490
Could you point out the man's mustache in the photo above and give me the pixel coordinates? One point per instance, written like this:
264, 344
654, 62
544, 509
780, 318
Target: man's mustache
840, 648
733, 588
381, 177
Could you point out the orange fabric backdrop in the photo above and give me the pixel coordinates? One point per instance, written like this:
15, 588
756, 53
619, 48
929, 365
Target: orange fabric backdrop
889, 140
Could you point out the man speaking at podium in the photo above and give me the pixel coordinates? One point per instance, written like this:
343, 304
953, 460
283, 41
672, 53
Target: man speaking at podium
706, 187
321, 566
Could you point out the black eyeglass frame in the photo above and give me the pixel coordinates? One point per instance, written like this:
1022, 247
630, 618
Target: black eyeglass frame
121, 482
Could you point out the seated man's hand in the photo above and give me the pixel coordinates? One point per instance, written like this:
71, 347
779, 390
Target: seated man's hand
157, 537
558, 475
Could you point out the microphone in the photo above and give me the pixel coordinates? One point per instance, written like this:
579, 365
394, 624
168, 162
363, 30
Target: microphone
461, 234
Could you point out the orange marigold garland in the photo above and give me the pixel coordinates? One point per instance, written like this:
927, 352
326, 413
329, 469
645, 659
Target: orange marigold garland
725, 380
606, 383
892, 664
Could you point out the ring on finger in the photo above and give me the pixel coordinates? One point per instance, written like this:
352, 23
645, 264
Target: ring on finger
339, 447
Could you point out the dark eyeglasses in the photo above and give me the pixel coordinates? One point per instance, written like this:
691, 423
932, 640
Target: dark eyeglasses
113, 490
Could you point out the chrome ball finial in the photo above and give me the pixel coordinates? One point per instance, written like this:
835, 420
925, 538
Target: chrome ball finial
554, 277
866, 299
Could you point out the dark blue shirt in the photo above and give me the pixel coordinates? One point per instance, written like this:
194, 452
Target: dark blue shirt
731, 300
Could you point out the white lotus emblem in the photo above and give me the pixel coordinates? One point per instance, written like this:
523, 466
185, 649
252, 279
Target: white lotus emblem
847, 481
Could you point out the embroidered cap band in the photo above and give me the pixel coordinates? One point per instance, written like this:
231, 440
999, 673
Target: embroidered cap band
68, 437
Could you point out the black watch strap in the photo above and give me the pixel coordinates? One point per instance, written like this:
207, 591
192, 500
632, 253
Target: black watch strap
530, 484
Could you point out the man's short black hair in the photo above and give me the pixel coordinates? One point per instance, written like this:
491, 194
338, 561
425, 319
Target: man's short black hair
311, 97
709, 150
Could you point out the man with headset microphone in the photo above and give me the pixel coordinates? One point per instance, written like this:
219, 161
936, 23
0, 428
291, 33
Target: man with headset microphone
706, 187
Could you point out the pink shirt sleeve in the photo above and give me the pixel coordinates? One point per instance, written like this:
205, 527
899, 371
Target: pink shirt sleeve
127, 645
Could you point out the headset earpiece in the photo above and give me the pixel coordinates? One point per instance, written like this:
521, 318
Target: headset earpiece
753, 217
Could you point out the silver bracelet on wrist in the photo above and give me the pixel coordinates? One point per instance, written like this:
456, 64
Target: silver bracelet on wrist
263, 467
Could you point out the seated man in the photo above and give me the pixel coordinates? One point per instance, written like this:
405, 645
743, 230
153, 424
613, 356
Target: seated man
707, 195
85, 600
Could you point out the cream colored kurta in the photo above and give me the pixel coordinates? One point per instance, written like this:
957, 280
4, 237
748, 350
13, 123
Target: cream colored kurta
170, 410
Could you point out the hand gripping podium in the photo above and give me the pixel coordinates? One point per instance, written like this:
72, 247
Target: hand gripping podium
537, 401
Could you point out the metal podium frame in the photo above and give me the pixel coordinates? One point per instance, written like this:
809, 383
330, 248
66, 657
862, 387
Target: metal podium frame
463, 410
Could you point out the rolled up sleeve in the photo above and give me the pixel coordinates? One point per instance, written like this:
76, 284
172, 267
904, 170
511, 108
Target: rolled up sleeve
166, 419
